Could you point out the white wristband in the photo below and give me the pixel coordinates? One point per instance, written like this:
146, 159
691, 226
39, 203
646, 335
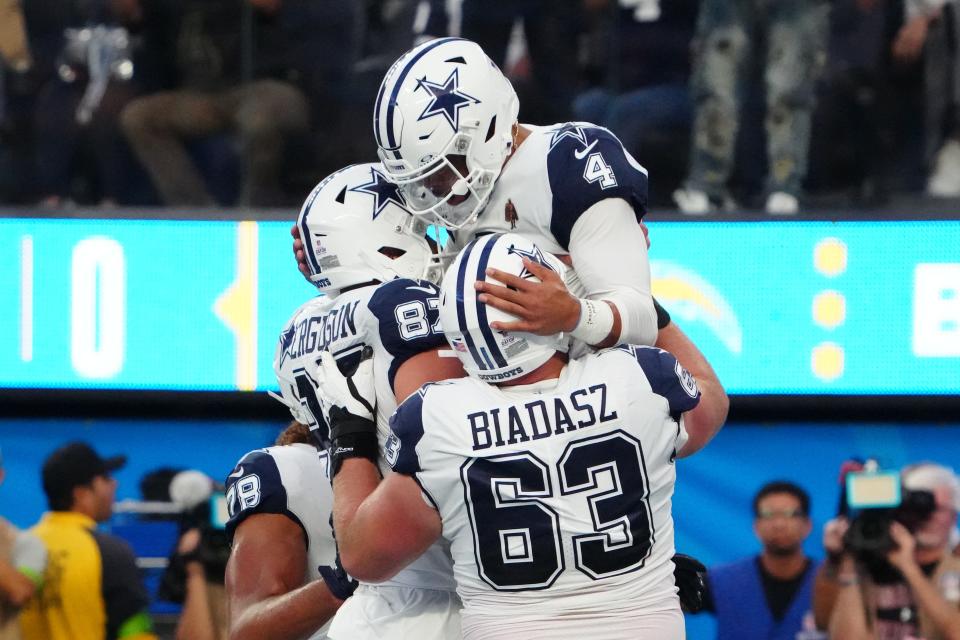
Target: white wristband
595, 323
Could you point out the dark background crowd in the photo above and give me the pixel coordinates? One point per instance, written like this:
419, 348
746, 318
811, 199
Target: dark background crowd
248, 103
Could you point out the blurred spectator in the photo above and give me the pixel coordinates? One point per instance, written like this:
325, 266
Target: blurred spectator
767, 597
646, 104
14, 49
195, 574
92, 588
551, 30
911, 592
859, 139
22, 561
728, 31
932, 29
106, 52
255, 86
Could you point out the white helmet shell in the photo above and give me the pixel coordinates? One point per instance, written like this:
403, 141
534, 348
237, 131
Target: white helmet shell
445, 98
490, 355
355, 229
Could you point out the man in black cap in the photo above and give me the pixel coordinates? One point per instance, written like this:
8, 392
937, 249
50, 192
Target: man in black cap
92, 589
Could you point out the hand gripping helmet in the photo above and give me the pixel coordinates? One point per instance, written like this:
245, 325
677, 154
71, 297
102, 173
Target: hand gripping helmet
490, 355
355, 229
443, 122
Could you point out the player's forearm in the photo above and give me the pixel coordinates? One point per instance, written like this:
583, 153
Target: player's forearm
609, 254
357, 533
292, 616
706, 419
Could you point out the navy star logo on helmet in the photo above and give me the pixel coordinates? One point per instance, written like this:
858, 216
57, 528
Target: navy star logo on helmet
447, 100
383, 191
534, 255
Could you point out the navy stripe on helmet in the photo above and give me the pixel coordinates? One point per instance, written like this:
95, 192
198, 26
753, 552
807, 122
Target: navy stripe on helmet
302, 218
461, 316
485, 329
305, 233
391, 141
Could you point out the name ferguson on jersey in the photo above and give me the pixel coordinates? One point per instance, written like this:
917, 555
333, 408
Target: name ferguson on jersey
539, 419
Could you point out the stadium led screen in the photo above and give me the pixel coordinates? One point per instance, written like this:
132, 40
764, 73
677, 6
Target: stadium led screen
779, 307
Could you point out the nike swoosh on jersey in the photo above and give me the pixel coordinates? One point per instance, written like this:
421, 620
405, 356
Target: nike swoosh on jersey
580, 154
237, 473
424, 289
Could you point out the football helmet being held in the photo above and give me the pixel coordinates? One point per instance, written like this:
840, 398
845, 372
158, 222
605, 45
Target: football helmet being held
355, 229
490, 355
444, 124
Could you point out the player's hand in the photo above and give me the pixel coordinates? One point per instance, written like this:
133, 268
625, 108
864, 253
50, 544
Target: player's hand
298, 252
348, 402
340, 583
691, 578
542, 308
354, 393
902, 555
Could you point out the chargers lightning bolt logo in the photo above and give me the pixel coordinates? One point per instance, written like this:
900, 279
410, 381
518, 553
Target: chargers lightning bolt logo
447, 100
383, 191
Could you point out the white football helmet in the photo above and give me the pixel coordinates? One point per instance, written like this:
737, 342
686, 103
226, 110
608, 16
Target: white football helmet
493, 356
443, 122
355, 229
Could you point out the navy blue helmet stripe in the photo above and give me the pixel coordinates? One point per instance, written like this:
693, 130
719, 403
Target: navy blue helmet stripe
461, 316
302, 218
391, 138
305, 234
485, 329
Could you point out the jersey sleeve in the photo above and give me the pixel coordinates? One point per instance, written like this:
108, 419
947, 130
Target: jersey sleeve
255, 486
587, 164
406, 431
407, 313
667, 378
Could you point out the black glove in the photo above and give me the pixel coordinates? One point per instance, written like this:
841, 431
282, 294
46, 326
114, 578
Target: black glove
348, 401
338, 581
691, 578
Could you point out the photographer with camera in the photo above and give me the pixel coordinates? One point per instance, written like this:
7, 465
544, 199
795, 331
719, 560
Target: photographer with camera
889, 571
196, 573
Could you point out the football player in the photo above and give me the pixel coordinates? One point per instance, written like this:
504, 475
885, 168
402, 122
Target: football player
372, 261
445, 121
282, 579
550, 478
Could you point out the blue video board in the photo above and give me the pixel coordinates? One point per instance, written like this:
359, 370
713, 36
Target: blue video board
778, 307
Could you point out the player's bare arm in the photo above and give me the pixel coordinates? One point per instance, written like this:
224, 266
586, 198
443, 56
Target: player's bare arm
705, 420
381, 526
265, 582
429, 366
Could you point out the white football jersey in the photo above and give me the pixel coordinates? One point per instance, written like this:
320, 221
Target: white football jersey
397, 319
556, 496
558, 173
292, 481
